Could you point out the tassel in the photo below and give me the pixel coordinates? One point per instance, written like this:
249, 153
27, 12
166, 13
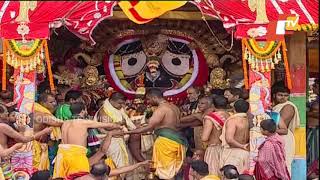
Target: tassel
279, 54
41, 54
257, 65
50, 76
267, 66
276, 60
253, 64
21, 68
261, 66
4, 66
286, 64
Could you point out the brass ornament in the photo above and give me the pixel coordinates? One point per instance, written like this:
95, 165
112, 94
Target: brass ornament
91, 76
217, 79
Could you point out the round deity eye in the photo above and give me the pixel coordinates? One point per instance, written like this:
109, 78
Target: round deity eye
176, 64
132, 64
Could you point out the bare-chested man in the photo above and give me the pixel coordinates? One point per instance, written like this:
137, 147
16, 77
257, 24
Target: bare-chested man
169, 149
235, 138
289, 120
8, 132
205, 106
71, 157
212, 129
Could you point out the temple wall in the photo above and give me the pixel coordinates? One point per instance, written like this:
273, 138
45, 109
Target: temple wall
296, 45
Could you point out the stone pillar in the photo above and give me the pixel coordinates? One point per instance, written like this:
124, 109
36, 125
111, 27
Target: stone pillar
296, 46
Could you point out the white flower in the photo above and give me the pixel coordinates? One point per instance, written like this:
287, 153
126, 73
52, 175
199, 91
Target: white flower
23, 29
255, 32
97, 15
262, 31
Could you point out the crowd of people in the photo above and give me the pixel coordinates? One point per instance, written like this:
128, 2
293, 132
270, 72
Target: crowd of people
205, 138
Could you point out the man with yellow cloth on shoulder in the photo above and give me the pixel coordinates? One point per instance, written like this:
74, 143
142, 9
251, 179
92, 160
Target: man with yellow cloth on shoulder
43, 118
169, 150
112, 111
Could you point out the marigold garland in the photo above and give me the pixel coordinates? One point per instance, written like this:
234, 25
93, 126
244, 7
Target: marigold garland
26, 56
263, 59
4, 67
262, 53
26, 59
245, 69
37, 44
286, 65
50, 76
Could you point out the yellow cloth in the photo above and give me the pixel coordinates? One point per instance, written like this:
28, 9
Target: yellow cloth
116, 115
300, 142
168, 157
70, 159
117, 151
212, 158
111, 164
289, 139
1, 174
56, 131
211, 177
145, 11
40, 157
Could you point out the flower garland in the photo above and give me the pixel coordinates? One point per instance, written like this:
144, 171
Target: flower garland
26, 56
262, 58
20, 49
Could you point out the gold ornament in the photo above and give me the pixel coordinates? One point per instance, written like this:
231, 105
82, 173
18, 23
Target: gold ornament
91, 76
217, 79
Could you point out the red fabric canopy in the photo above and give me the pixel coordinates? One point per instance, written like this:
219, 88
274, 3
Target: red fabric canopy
236, 13
82, 17
79, 17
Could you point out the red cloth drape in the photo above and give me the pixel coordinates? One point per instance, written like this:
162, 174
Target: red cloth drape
80, 17
236, 13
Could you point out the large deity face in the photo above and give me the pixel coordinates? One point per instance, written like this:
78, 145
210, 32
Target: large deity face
157, 61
